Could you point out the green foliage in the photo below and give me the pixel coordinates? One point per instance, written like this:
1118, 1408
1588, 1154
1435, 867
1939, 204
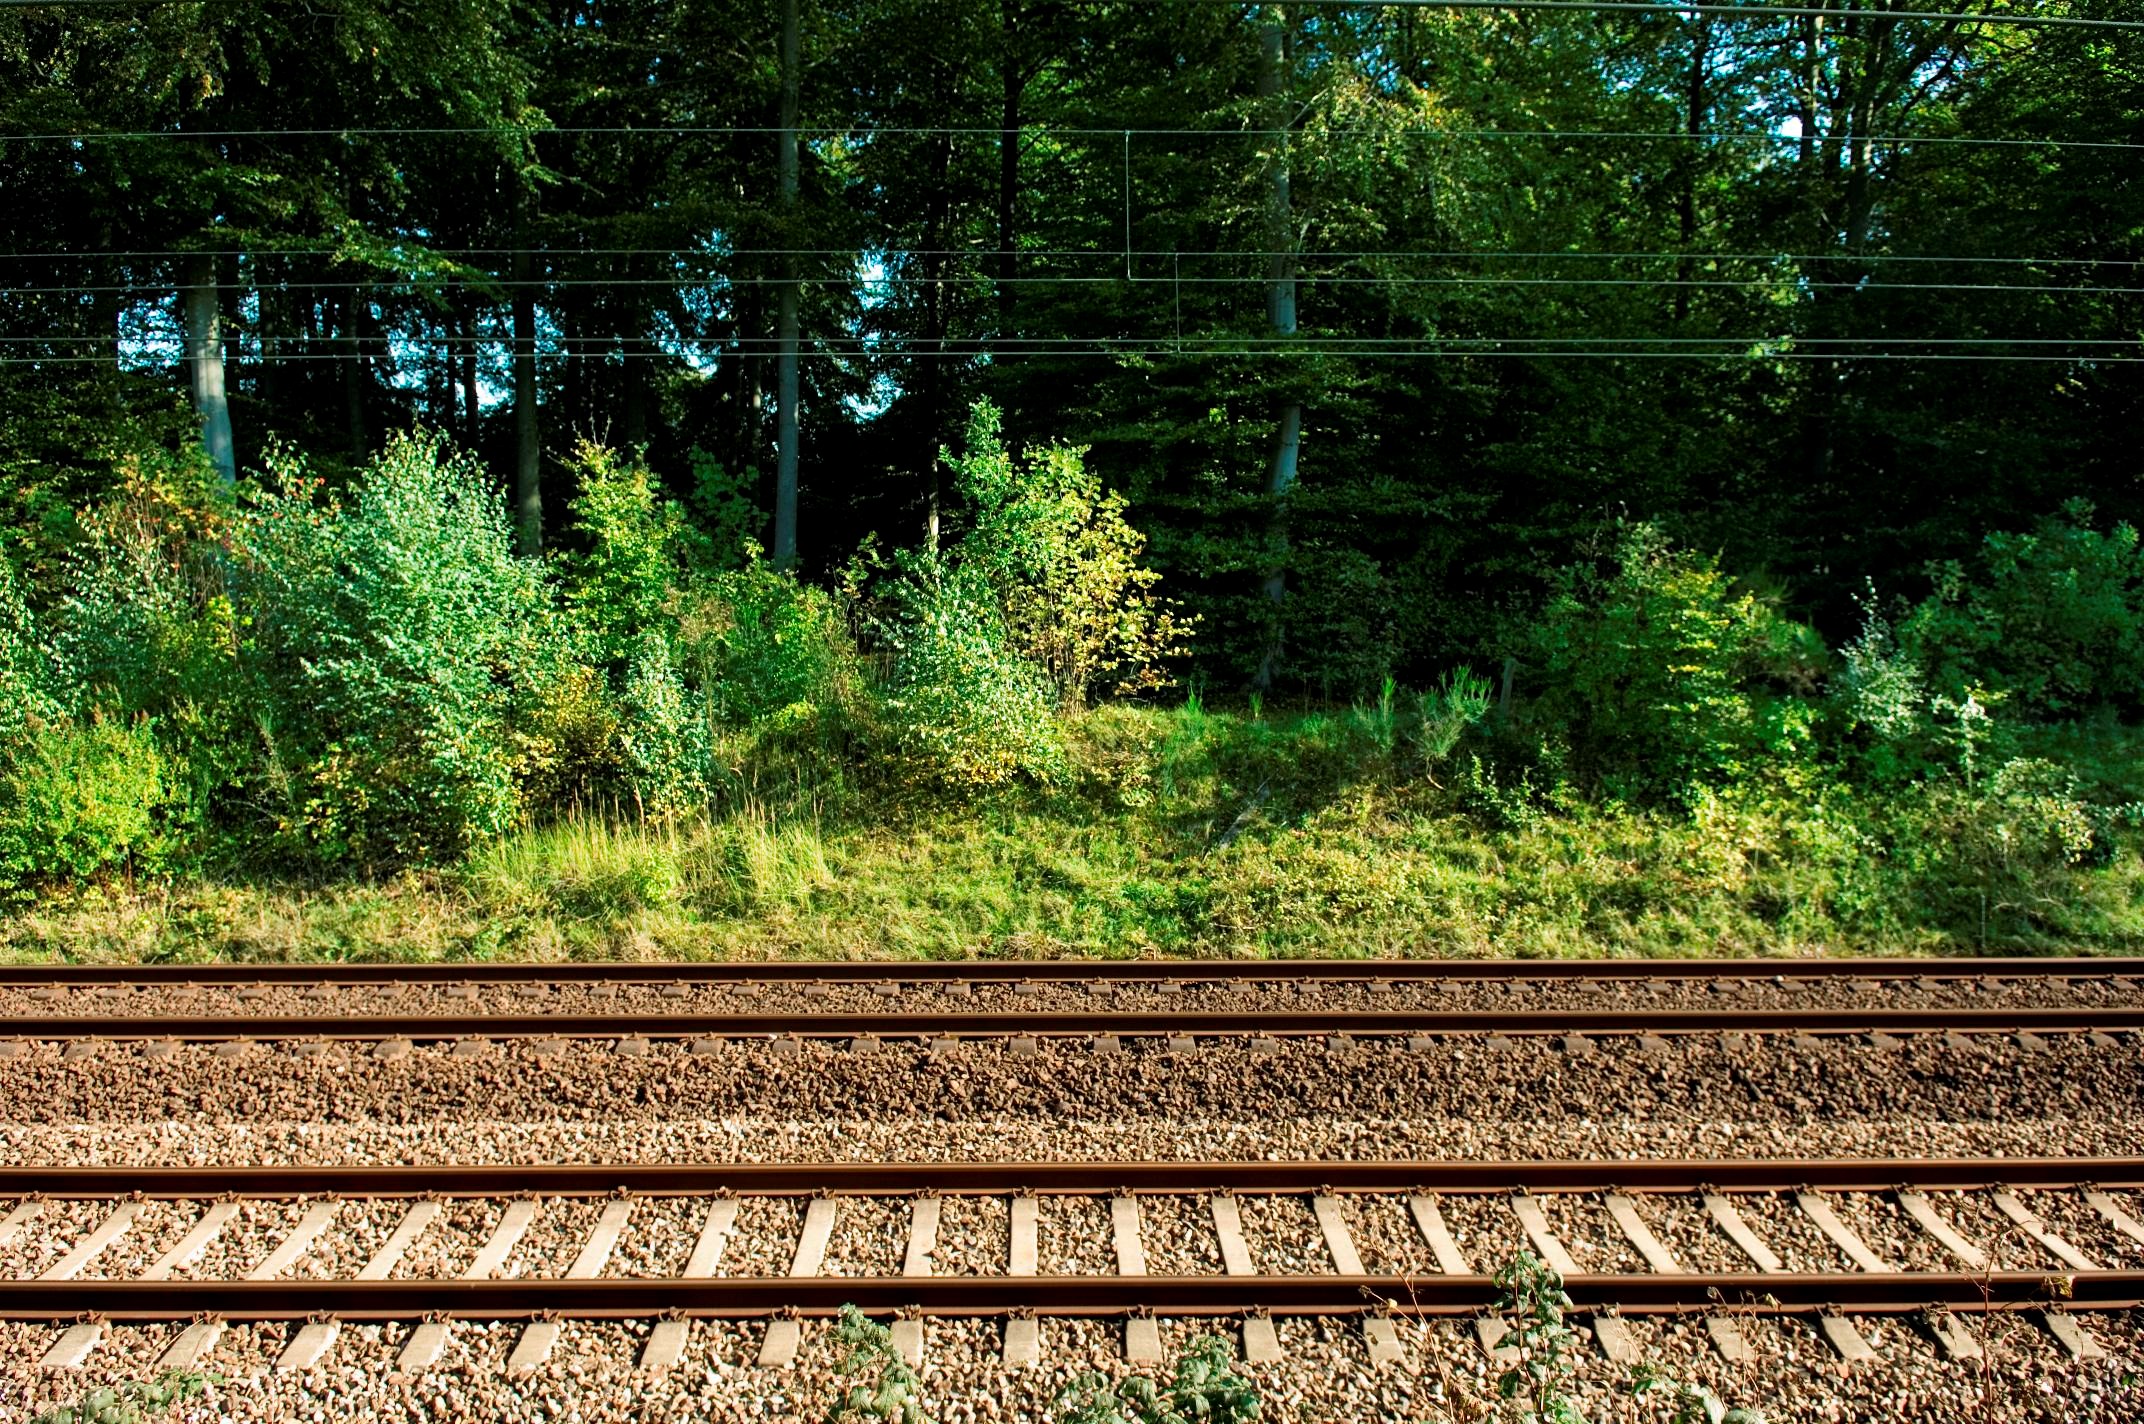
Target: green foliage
663, 736
386, 641
83, 799
1692, 1403
1206, 1390
132, 1401
30, 689
2055, 619
1987, 857
1532, 1303
966, 711
1664, 677
1446, 712
1064, 564
766, 646
144, 624
725, 524
892, 1394
624, 583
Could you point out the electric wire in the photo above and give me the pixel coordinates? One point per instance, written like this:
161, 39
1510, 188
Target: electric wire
1035, 132
1732, 12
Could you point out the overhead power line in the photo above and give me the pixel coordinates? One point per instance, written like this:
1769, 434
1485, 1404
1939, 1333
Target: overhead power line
424, 286
1034, 132
1733, 12
1111, 254
1165, 352
392, 343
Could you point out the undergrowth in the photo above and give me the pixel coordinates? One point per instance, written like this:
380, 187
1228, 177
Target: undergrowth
1195, 831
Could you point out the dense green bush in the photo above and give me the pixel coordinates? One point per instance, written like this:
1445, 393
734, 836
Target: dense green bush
624, 582
143, 620
966, 710
386, 640
1664, 677
662, 735
30, 685
766, 646
1063, 563
2053, 619
80, 800
1986, 857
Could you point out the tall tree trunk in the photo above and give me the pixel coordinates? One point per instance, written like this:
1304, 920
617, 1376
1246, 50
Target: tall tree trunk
356, 369
1280, 314
231, 303
785, 471
1014, 83
472, 406
528, 449
1694, 111
204, 363
635, 371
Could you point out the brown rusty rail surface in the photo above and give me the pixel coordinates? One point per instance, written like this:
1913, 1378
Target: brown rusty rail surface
1122, 971
1774, 1294
907, 1023
1874, 1174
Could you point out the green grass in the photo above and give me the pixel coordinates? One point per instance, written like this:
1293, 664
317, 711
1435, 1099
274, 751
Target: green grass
1340, 848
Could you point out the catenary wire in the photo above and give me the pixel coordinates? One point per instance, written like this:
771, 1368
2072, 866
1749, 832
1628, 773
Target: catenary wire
1111, 254
1037, 132
1735, 12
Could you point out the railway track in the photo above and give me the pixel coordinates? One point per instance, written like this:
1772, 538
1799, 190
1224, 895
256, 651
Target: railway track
1161, 1002
126, 1260
1728, 1240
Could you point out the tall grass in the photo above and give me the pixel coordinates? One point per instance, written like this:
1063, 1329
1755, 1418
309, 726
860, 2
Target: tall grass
1191, 832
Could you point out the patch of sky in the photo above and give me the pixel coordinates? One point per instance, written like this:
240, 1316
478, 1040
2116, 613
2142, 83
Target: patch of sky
873, 285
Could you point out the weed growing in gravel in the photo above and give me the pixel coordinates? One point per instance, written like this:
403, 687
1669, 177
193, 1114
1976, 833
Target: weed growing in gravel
1694, 1404
1532, 1305
893, 1394
132, 1401
1207, 1389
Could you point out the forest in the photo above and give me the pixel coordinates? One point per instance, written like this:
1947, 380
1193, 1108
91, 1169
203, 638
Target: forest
1028, 476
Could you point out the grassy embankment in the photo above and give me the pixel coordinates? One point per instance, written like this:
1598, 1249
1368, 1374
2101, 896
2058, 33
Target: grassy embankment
1189, 833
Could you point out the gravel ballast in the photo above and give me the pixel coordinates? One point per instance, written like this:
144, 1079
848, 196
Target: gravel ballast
1704, 1098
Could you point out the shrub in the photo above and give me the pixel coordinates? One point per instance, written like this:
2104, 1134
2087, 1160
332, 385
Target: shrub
564, 734
1062, 562
966, 710
662, 736
1446, 711
762, 644
1342, 637
1992, 859
1666, 678
2055, 619
29, 682
83, 799
625, 582
386, 641
145, 625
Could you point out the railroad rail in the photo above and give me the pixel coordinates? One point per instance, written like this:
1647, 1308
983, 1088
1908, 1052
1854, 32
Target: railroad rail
1270, 1000
2042, 1235
1082, 971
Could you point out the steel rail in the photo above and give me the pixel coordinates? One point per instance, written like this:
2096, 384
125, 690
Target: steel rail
901, 1023
1655, 1175
1861, 1292
1005, 971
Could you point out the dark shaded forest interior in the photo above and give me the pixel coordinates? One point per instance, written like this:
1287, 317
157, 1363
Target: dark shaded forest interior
949, 476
